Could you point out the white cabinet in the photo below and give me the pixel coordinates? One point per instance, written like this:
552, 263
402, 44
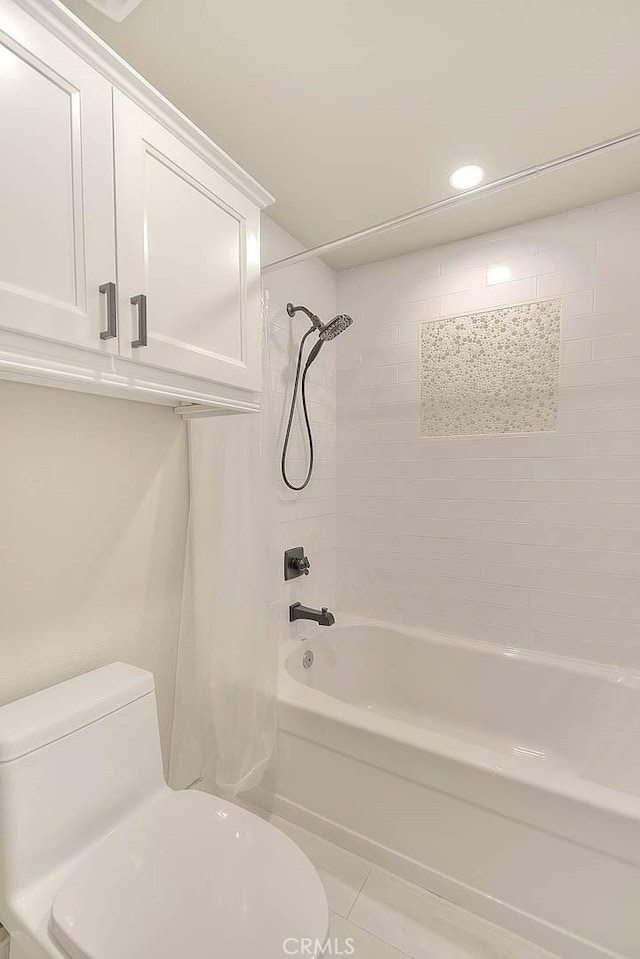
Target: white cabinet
93, 160
57, 234
188, 244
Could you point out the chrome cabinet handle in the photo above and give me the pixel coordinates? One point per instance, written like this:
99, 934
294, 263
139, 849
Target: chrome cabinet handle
141, 302
112, 317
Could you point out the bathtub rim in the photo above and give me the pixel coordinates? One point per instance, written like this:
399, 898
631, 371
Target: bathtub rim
311, 714
566, 663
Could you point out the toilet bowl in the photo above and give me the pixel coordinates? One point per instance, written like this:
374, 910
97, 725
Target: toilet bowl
99, 859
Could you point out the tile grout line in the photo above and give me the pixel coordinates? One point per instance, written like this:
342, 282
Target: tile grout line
357, 896
372, 868
400, 953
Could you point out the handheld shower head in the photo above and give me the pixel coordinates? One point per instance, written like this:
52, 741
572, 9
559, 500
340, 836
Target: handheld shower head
325, 331
335, 327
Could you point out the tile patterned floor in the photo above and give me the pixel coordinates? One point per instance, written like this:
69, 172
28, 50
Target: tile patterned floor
389, 918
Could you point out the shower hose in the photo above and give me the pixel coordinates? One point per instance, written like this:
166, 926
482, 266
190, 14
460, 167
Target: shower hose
303, 390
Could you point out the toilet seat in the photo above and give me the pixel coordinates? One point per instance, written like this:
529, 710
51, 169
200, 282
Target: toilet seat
192, 876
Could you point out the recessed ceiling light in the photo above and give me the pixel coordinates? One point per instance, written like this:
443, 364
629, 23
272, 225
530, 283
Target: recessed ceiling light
466, 177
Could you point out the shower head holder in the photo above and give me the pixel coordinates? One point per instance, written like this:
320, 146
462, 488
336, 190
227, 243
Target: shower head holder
292, 310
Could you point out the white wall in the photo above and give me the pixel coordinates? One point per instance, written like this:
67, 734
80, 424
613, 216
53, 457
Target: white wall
307, 518
94, 495
530, 540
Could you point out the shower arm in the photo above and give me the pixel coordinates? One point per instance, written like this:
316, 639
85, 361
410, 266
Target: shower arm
292, 310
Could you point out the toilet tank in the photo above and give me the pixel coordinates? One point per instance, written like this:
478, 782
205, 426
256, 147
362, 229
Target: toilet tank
75, 760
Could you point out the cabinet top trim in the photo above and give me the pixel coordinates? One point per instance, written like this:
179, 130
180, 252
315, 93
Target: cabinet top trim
75, 34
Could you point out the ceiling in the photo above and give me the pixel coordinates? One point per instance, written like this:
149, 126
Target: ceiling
354, 111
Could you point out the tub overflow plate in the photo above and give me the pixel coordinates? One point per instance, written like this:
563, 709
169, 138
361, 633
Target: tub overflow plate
307, 659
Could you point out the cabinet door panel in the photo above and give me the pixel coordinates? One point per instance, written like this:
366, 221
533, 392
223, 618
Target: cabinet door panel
57, 236
194, 262
36, 188
188, 241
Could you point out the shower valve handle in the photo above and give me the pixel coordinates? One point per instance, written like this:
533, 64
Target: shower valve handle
295, 563
302, 564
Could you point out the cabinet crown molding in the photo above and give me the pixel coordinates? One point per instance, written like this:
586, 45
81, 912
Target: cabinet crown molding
63, 24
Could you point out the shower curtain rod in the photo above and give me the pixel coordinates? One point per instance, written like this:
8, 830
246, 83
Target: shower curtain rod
493, 187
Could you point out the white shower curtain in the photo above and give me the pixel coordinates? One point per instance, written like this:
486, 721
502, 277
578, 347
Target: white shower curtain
226, 685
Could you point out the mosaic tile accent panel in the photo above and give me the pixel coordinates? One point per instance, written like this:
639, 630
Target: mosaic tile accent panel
491, 372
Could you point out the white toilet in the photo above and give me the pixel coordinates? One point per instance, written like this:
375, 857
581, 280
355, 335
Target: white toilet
99, 859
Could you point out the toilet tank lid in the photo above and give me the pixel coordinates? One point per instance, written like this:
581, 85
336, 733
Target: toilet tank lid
42, 718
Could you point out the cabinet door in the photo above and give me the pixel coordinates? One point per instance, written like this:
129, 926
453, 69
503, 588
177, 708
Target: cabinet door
188, 242
57, 229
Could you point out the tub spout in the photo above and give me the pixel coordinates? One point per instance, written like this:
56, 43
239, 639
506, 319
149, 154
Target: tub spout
320, 616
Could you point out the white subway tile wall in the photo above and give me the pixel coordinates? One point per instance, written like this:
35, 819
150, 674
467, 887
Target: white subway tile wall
524, 540
307, 518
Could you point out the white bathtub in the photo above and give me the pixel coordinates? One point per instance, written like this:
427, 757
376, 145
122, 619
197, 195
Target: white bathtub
507, 782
